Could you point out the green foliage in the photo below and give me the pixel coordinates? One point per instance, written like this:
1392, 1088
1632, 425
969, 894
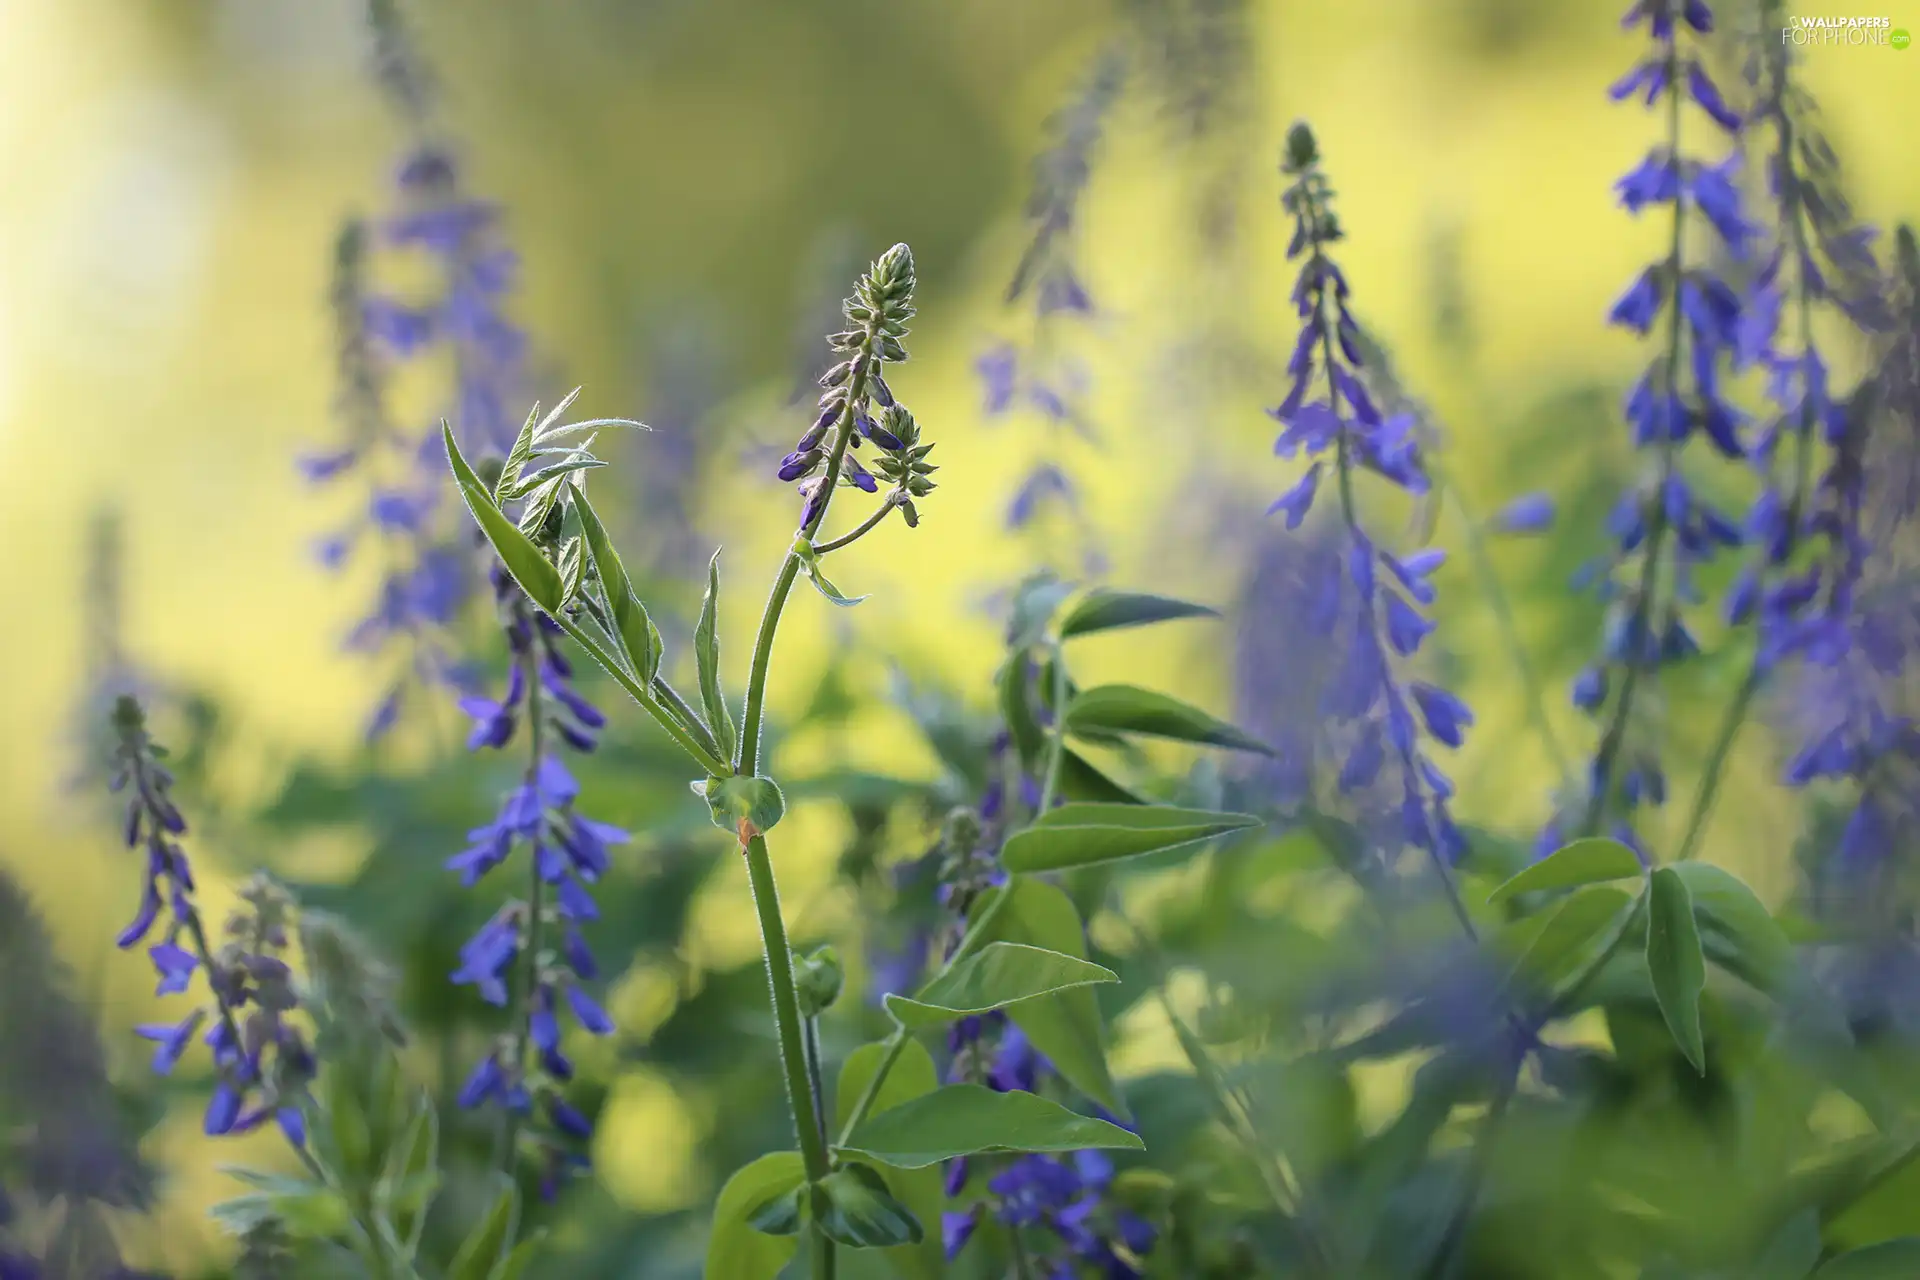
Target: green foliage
970, 1119
1675, 961
706, 648
735, 1246
1080, 835
731, 801
1587, 861
1105, 610
997, 975
1126, 709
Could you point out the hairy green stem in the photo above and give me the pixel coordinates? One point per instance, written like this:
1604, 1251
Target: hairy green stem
676, 705
807, 1113
710, 761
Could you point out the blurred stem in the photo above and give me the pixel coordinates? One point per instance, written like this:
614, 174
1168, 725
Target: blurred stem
1495, 594
1639, 630
1716, 762
1057, 743
508, 1137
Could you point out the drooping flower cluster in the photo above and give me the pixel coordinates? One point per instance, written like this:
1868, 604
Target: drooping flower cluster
1805, 531
1365, 603
1664, 529
1042, 373
879, 309
516, 958
1065, 1195
261, 1055
426, 571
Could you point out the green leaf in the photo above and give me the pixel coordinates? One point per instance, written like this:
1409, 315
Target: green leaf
1588, 861
706, 649
1035, 601
309, 1210
1104, 610
780, 1216
1081, 781
518, 455
758, 800
1065, 1026
1016, 708
735, 1250
1549, 944
1753, 945
968, 1119
921, 1190
521, 1258
1675, 962
997, 975
825, 587
1792, 1252
575, 460
488, 1244
411, 1176
1079, 835
638, 637
539, 579
1125, 708
861, 1212
1887, 1260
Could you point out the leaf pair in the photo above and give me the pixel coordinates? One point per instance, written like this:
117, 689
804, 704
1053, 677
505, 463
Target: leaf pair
1680, 902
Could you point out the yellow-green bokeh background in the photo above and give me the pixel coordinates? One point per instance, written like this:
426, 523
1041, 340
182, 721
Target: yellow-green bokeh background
175, 172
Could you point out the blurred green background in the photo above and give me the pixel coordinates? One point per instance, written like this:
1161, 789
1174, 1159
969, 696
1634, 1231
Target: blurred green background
688, 184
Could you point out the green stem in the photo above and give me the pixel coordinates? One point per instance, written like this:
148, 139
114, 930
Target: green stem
807, 1115
1057, 744
814, 1075
643, 694
508, 1137
1716, 763
860, 530
677, 706
1496, 597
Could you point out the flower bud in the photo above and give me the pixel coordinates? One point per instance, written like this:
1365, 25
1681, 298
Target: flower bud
817, 978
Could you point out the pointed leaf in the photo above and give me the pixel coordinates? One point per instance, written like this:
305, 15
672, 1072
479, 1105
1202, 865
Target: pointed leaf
1588, 861
826, 588
967, 1119
780, 1216
551, 472
517, 457
861, 1211
1675, 962
1752, 944
1887, 1260
756, 800
1016, 708
1078, 835
638, 636
706, 650
1125, 708
1035, 601
921, 1190
1081, 781
1066, 1026
412, 1174
1104, 610
539, 579
1550, 943
993, 977
735, 1250
491, 1239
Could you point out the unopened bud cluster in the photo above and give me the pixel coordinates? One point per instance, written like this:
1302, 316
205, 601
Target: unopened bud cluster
878, 311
